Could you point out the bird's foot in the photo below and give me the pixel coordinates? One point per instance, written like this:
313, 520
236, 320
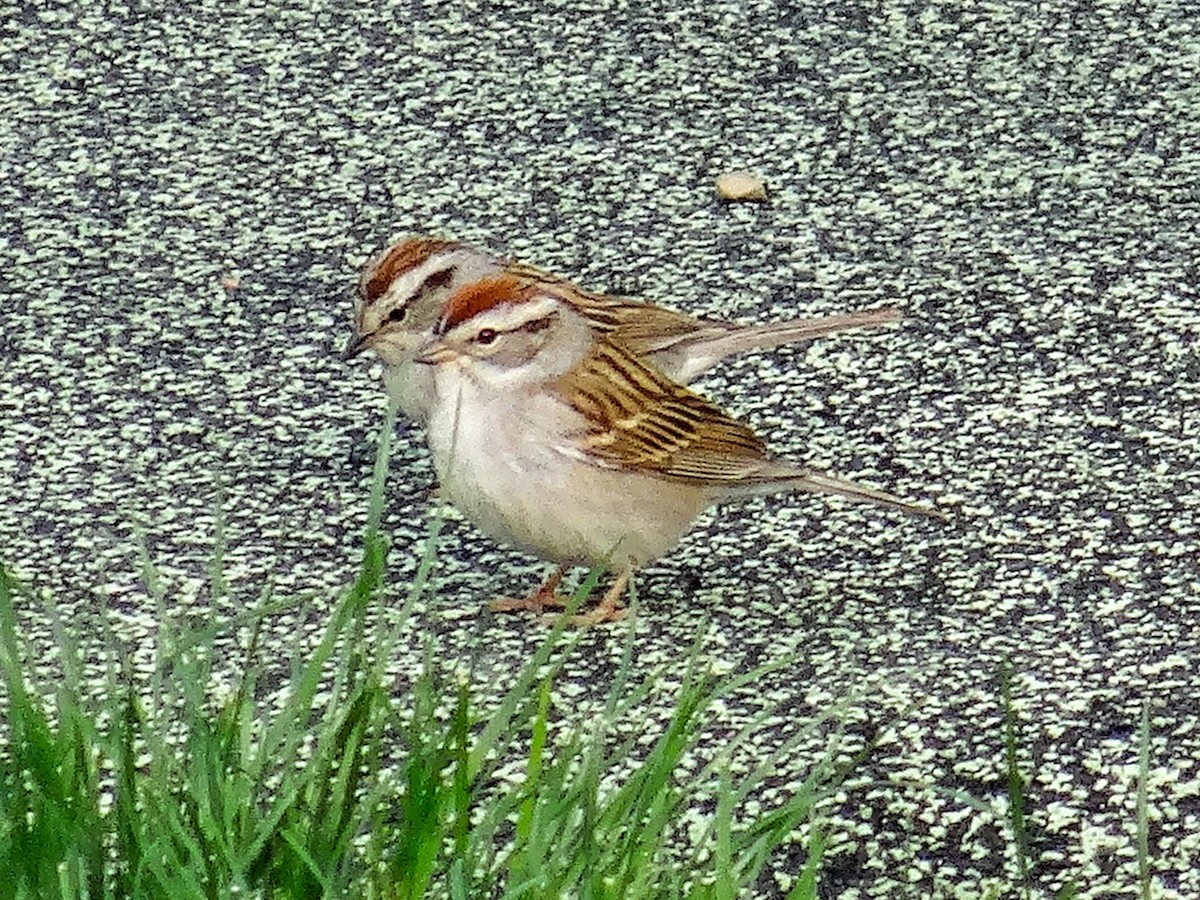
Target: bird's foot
537, 602
599, 615
609, 609
545, 597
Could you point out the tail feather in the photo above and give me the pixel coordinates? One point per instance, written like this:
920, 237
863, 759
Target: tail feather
819, 482
775, 334
775, 477
690, 347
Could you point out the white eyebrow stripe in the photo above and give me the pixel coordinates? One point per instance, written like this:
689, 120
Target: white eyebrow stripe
508, 317
537, 307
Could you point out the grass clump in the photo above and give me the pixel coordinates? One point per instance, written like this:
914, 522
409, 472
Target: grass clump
348, 786
352, 791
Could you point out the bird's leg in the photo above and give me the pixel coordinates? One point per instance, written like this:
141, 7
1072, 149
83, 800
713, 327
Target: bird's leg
538, 601
609, 609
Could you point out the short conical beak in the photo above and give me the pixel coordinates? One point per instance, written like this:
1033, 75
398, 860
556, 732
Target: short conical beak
356, 345
433, 353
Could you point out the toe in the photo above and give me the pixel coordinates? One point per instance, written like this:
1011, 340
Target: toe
533, 603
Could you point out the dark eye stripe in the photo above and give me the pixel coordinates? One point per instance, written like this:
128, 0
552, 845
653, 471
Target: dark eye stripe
398, 259
432, 282
436, 280
538, 324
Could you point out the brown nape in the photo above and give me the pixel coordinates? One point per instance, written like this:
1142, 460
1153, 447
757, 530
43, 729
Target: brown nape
397, 260
482, 295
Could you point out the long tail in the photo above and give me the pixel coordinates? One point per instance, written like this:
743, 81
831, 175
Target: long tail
775, 334
819, 482
774, 478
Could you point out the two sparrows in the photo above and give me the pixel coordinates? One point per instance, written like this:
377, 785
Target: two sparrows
557, 417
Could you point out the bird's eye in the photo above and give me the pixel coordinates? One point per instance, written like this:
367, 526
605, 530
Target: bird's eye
486, 336
398, 314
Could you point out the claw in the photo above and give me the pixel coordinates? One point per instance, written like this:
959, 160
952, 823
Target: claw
608, 609
541, 599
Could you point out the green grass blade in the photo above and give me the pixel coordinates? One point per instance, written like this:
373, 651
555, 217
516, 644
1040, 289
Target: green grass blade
805, 887
1014, 782
1143, 802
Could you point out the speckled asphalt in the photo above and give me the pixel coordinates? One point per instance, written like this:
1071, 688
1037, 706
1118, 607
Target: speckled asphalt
185, 194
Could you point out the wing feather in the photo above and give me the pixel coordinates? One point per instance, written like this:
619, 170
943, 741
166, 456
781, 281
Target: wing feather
641, 420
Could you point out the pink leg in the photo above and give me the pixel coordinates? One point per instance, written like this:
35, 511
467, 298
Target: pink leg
609, 609
538, 601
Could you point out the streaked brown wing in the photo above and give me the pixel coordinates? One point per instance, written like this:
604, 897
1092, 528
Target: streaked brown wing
640, 419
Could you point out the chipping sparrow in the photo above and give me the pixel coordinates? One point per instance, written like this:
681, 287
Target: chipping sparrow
402, 290
562, 442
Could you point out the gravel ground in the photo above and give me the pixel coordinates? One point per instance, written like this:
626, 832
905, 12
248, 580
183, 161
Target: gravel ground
187, 194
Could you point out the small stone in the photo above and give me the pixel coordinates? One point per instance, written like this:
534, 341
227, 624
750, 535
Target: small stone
741, 186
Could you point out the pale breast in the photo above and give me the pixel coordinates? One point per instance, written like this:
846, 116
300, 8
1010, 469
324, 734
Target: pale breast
503, 468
